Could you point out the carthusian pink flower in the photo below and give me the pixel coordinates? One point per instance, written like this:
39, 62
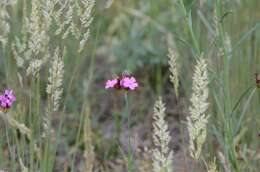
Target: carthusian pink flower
5, 102
7, 99
111, 83
128, 82
9, 94
125, 82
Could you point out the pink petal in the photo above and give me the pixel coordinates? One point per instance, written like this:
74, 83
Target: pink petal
111, 83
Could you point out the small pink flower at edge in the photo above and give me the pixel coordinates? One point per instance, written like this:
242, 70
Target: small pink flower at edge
111, 83
9, 94
5, 102
7, 99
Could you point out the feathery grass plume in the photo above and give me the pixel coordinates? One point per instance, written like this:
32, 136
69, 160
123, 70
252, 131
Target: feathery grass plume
197, 121
48, 12
15, 124
54, 87
47, 128
4, 24
36, 33
65, 10
174, 68
89, 150
145, 161
86, 19
212, 166
162, 155
19, 46
54, 90
31, 49
65, 19
34, 67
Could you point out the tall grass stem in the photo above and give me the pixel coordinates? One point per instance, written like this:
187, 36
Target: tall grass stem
129, 131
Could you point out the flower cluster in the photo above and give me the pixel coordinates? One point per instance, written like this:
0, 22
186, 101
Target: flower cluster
125, 82
7, 99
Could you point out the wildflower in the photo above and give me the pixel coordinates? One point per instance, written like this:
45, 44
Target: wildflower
5, 102
125, 82
9, 94
128, 83
111, 83
7, 99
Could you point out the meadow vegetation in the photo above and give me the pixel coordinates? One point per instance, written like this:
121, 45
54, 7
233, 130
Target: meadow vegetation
129, 86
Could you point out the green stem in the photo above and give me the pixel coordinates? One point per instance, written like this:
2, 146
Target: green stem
78, 137
129, 154
9, 144
188, 19
258, 91
31, 120
229, 136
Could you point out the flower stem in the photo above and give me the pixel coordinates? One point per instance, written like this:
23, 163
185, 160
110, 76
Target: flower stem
258, 91
129, 154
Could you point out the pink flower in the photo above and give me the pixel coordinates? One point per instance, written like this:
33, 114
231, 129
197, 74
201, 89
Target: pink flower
7, 99
125, 82
111, 83
128, 82
9, 94
5, 102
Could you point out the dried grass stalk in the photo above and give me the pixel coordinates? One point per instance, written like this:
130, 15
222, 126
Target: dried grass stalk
162, 155
89, 150
197, 121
